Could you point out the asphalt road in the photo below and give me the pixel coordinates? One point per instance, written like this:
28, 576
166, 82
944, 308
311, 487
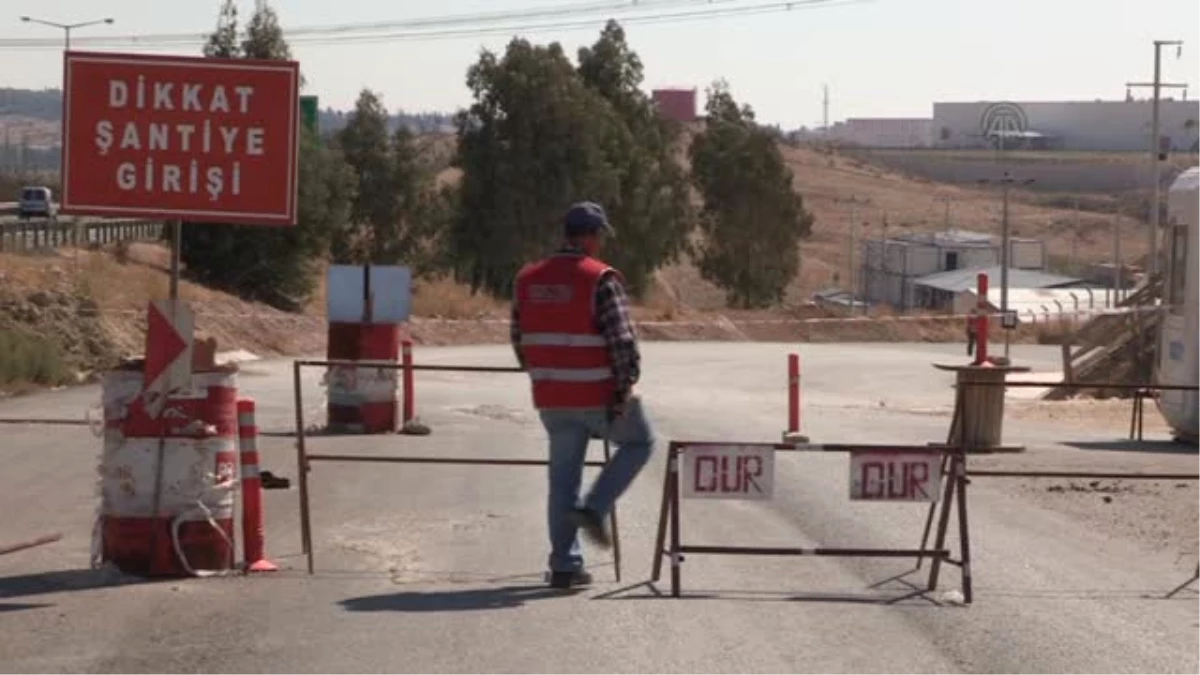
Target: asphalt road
437, 568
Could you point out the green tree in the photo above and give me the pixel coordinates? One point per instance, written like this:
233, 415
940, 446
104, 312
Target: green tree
395, 187
278, 265
223, 43
535, 140
653, 213
264, 37
752, 218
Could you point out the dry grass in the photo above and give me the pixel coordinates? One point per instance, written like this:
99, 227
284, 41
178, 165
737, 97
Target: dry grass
445, 299
911, 205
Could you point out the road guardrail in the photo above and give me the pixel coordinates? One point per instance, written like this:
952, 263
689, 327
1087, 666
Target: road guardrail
28, 235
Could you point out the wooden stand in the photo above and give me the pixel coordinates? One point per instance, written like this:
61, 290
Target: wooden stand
983, 405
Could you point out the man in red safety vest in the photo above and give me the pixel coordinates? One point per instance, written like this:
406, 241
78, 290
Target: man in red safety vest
571, 332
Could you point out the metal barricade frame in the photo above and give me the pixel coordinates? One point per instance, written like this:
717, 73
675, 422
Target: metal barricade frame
304, 459
1141, 391
954, 494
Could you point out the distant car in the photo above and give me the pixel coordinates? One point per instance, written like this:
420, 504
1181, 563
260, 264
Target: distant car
36, 202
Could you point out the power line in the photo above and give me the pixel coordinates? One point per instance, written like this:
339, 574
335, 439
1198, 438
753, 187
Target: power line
460, 26
526, 29
424, 22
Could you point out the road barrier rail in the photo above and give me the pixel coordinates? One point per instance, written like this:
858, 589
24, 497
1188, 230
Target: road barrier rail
28, 235
304, 459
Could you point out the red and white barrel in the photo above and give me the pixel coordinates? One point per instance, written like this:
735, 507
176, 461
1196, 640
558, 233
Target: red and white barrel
167, 484
363, 399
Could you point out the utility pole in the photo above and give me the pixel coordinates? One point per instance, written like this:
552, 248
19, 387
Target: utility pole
825, 109
1075, 239
1116, 252
1157, 153
946, 217
854, 203
1006, 183
883, 262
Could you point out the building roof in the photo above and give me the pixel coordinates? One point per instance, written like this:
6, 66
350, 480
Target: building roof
1042, 300
947, 237
954, 239
963, 280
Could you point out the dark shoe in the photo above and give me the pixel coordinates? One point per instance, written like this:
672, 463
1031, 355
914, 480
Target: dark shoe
570, 579
272, 482
592, 526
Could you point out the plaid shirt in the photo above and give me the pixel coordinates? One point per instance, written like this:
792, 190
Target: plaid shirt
612, 320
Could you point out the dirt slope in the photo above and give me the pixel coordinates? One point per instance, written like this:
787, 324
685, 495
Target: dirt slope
94, 303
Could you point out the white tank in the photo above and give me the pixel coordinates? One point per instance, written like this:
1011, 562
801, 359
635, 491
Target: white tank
1179, 343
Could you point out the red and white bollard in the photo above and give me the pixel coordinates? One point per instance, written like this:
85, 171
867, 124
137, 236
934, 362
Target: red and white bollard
406, 360
410, 424
981, 321
793, 435
253, 534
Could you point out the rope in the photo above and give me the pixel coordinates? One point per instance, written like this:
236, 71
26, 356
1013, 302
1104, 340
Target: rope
217, 490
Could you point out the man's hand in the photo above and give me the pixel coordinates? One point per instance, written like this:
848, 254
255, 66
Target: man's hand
620, 405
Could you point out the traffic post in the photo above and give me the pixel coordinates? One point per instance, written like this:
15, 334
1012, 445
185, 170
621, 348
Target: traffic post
981, 320
792, 434
253, 532
878, 473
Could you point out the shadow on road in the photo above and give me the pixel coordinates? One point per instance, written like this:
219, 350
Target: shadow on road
18, 606
454, 601
1124, 445
63, 581
652, 592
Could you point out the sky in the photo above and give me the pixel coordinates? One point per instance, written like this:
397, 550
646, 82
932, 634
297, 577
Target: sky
879, 58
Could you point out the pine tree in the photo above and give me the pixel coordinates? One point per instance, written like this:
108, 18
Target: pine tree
278, 265
395, 187
223, 43
264, 37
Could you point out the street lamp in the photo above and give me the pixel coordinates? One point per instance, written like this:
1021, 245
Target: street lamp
67, 27
1006, 182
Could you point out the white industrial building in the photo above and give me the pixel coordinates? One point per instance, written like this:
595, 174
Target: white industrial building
892, 267
1066, 125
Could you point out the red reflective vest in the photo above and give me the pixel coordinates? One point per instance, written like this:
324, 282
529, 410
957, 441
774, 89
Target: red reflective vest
565, 354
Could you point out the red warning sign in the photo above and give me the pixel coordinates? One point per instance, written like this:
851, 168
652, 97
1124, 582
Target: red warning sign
900, 477
728, 472
180, 137
168, 368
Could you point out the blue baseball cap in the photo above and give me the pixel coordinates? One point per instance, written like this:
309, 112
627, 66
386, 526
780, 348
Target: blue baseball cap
584, 218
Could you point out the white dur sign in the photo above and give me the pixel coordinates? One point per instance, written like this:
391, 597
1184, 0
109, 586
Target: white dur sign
728, 472
895, 477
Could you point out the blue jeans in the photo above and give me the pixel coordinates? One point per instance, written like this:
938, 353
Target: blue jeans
570, 432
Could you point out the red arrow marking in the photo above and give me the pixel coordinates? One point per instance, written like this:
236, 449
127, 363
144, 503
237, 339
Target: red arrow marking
163, 345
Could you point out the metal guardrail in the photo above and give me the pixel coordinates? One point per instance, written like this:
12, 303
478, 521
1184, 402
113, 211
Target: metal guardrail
28, 235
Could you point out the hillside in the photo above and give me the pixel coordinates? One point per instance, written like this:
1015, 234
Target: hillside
908, 203
92, 303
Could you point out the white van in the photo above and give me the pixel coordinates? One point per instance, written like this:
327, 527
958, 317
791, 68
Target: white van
36, 202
